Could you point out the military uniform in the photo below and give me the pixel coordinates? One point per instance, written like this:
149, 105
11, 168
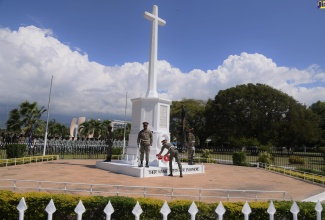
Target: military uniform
173, 152
145, 141
191, 147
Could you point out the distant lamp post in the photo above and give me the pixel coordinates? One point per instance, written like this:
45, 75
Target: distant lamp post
208, 141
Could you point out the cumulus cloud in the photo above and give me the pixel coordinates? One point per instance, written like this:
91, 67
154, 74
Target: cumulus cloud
30, 56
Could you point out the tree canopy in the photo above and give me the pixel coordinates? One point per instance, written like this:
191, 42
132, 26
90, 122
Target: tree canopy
195, 118
319, 109
262, 113
26, 119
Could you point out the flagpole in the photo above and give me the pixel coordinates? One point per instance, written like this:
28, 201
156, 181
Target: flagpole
47, 120
126, 103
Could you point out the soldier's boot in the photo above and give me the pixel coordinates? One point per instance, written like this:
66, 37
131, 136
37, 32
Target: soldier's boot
171, 172
141, 164
180, 173
147, 164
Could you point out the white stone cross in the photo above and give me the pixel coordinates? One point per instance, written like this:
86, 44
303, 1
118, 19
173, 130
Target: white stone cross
152, 76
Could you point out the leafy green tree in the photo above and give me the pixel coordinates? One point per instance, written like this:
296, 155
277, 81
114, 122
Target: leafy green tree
104, 126
29, 120
195, 118
260, 112
90, 128
56, 129
119, 133
95, 128
319, 109
13, 122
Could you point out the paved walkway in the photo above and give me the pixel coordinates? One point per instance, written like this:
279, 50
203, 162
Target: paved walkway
216, 176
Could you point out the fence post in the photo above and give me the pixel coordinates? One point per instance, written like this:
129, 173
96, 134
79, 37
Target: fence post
22, 207
165, 210
319, 209
294, 210
246, 210
137, 211
50, 209
108, 210
80, 209
200, 195
271, 210
193, 210
220, 210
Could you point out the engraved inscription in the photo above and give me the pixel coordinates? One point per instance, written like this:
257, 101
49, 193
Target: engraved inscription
163, 116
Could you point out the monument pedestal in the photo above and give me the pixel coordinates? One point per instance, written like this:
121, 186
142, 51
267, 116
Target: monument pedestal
156, 112
118, 166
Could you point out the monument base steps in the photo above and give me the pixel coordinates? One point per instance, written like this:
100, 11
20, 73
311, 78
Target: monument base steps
151, 171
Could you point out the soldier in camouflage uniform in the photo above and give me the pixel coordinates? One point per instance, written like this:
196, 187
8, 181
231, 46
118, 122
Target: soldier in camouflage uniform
109, 143
173, 152
145, 141
191, 146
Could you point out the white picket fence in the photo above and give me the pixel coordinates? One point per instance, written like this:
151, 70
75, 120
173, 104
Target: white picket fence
165, 210
164, 193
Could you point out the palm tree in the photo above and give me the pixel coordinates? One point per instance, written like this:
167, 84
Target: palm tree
85, 129
94, 128
31, 117
13, 122
104, 126
119, 133
27, 118
57, 130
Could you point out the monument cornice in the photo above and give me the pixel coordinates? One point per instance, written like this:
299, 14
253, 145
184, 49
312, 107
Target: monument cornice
157, 99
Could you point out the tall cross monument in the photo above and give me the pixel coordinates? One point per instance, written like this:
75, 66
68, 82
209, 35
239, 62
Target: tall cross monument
155, 111
150, 108
152, 79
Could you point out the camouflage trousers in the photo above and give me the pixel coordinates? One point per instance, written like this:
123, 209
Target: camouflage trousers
144, 149
175, 155
190, 155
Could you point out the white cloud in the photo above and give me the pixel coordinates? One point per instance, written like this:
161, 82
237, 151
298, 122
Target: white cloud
30, 56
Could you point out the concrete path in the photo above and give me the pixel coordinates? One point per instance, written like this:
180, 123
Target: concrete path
216, 176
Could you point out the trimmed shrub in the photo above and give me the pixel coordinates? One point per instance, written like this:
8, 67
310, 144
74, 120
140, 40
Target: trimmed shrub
265, 157
239, 159
117, 150
123, 206
16, 150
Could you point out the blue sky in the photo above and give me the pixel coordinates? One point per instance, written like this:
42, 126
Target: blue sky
205, 46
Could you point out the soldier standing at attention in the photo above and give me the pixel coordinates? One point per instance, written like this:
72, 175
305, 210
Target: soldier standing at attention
173, 152
191, 146
109, 143
145, 141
